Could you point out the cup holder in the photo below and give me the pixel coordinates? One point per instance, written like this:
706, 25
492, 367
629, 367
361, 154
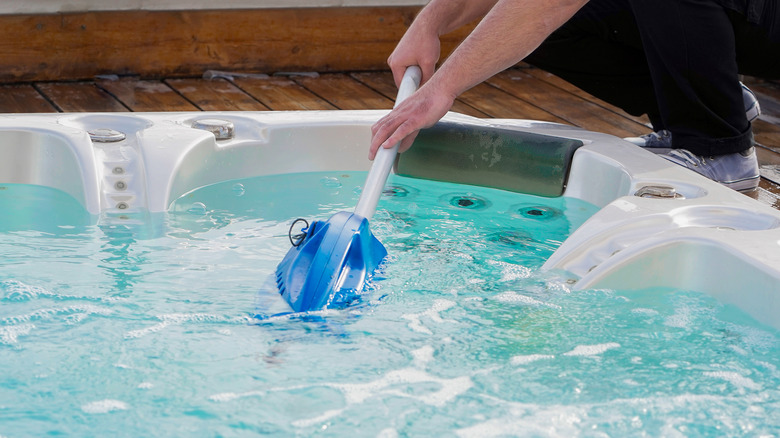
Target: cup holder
676, 190
107, 122
724, 217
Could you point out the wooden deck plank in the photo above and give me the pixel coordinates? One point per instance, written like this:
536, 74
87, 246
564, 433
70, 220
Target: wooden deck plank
146, 96
768, 193
574, 109
282, 94
215, 95
767, 134
383, 83
499, 104
344, 92
80, 97
566, 86
23, 99
767, 156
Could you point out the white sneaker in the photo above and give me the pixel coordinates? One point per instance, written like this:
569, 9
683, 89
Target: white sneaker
656, 142
738, 171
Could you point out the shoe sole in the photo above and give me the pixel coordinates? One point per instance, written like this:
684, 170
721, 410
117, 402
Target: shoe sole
639, 141
657, 151
743, 185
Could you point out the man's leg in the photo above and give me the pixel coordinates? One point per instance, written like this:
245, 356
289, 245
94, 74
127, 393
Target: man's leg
758, 44
691, 52
600, 51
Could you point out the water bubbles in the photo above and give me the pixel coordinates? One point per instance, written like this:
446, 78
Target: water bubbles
238, 189
104, 406
198, 208
331, 182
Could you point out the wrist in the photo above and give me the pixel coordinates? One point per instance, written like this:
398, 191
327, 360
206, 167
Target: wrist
446, 84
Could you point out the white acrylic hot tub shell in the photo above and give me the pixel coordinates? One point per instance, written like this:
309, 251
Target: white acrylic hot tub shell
714, 240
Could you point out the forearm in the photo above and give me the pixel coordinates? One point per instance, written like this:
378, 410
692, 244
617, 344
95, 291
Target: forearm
508, 33
420, 44
444, 16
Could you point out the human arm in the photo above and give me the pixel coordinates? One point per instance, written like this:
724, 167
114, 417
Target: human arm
420, 44
508, 33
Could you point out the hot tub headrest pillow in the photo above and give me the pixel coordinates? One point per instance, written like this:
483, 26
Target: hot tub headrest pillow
495, 157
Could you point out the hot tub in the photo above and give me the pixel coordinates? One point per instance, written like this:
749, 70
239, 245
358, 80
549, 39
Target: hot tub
658, 225
541, 280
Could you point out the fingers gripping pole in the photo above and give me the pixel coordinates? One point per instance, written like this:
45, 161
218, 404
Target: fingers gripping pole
383, 162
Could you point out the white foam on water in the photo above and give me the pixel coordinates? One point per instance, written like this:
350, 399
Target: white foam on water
528, 420
10, 335
384, 433
15, 290
644, 311
392, 384
173, 319
510, 272
755, 337
516, 298
592, 350
561, 420
104, 406
770, 367
325, 416
683, 317
415, 319
230, 396
739, 350
735, 379
422, 356
356, 393
526, 359
77, 312
450, 389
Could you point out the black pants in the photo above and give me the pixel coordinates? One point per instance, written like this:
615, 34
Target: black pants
677, 61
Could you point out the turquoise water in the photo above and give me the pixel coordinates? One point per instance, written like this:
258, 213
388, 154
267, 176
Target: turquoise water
143, 326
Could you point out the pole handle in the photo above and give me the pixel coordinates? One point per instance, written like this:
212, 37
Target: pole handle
383, 162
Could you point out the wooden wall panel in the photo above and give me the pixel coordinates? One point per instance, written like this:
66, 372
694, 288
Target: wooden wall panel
187, 43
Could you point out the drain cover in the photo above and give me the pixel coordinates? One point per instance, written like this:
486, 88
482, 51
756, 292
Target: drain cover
222, 129
106, 135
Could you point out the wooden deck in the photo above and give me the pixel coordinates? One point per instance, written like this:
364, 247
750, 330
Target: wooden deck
521, 92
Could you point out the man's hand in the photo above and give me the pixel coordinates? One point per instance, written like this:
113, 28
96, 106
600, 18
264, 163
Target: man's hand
509, 32
419, 46
420, 110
